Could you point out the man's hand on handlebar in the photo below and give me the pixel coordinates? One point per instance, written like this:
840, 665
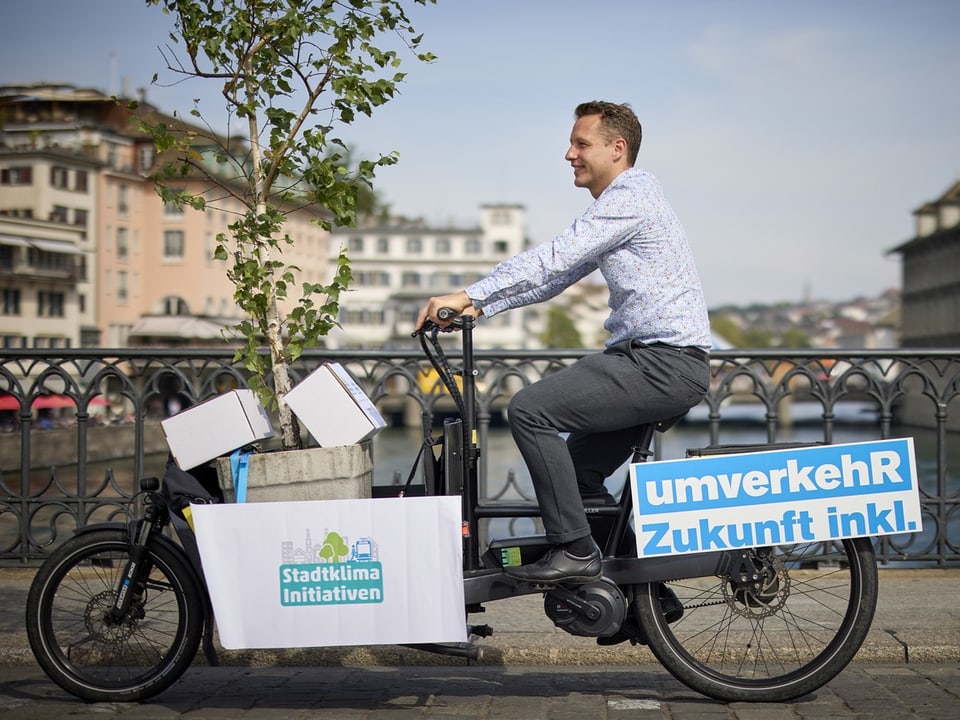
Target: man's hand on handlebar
458, 302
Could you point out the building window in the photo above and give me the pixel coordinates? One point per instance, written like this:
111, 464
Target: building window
414, 245
59, 214
500, 217
59, 177
80, 181
383, 245
123, 245
444, 280
473, 246
500, 247
112, 154
52, 261
11, 301
6, 258
410, 279
80, 217
173, 305
145, 158
173, 245
122, 286
355, 244
372, 278
442, 246
16, 175
49, 304
123, 205
209, 246
17, 212
362, 317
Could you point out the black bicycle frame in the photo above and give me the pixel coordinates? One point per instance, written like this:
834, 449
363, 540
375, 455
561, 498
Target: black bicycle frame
460, 468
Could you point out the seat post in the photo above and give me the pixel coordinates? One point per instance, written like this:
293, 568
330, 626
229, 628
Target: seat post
641, 451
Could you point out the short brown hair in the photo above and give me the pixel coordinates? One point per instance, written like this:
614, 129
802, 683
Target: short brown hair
616, 121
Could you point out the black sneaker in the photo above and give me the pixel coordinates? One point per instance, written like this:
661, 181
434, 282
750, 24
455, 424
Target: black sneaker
558, 565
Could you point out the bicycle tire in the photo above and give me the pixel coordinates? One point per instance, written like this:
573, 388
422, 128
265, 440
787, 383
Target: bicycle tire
126, 662
772, 643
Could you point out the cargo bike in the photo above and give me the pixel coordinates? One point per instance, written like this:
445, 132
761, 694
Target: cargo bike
119, 611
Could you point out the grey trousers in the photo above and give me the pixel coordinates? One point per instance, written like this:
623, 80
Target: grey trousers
601, 401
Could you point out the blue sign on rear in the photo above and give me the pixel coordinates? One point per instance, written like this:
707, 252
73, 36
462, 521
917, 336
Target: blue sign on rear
776, 497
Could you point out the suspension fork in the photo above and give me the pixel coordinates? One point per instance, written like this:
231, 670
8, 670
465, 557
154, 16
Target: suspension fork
155, 516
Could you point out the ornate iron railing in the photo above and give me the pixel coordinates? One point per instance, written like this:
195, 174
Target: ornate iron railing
80, 425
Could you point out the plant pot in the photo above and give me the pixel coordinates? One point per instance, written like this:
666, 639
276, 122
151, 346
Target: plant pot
318, 473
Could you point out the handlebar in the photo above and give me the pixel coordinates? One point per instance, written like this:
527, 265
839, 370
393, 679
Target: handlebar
444, 313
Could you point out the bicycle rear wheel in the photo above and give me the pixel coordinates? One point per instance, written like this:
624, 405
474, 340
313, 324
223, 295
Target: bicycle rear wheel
780, 624
99, 660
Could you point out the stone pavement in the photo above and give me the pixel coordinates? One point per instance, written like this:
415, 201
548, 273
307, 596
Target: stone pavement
863, 691
909, 667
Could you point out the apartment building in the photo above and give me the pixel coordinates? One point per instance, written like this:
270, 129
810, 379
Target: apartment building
48, 208
931, 274
41, 269
397, 266
141, 271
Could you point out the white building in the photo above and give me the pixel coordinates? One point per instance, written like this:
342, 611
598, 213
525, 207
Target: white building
397, 267
41, 269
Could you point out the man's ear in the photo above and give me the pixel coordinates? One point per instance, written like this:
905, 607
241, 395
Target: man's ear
619, 148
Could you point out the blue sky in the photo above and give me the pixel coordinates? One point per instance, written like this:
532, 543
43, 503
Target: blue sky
794, 139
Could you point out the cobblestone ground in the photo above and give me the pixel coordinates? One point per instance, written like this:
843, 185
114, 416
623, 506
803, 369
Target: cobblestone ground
862, 691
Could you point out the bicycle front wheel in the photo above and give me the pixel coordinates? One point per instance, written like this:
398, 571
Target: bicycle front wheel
781, 623
99, 659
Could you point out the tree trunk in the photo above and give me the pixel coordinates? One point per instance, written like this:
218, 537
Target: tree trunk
289, 427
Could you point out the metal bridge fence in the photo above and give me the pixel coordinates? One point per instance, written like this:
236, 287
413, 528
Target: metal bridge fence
78, 427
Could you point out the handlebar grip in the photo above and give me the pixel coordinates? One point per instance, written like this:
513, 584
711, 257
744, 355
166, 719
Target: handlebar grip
446, 313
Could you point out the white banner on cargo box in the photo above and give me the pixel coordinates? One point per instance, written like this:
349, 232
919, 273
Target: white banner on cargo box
776, 497
334, 572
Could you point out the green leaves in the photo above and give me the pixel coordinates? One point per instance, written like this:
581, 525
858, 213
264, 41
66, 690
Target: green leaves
289, 71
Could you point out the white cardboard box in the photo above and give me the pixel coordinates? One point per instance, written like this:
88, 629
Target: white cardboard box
216, 427
334, 408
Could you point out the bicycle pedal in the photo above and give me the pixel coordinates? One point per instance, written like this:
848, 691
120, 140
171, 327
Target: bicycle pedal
542, 586
479, 630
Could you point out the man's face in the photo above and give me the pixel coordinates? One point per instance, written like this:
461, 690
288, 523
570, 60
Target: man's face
595, 160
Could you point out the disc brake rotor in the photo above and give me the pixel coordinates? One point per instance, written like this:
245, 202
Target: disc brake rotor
760, 586
96, 624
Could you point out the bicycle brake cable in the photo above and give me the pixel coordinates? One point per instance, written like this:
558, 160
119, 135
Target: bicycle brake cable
438, 359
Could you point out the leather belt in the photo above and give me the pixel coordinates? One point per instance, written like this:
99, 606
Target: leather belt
691, 350
696, 352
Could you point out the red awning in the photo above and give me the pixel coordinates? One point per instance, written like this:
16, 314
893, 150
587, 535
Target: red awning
9, 402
